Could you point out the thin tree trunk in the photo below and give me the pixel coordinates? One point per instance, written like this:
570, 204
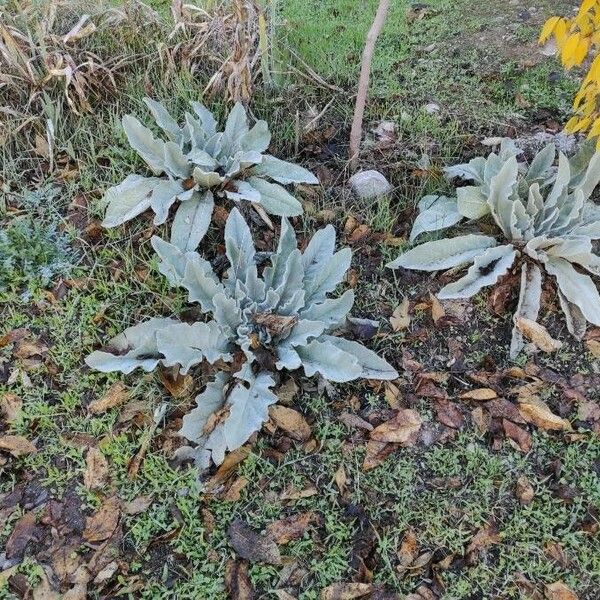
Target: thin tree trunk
363, 82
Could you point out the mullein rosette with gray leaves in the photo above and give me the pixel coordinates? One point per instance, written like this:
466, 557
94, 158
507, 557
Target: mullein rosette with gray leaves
280, 319
546, 224
195, 164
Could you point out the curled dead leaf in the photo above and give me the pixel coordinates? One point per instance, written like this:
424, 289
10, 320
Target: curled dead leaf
346, 591
536, 411
524, 490
291, 528
401, 429
237, 581
291, 421
437, 310
95, 475
10, 406
137, 505
115, 396
17, 445
376, 453
537, 334
479, 394
251, 545
400, 318
103, 523
559, 591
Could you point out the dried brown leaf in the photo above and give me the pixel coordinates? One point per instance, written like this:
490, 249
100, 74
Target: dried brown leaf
103, 523
237, 581
437, 310
293, 493
401, 429
400, 318
23, 532
376, 453
524, 490
536, 411
346, 591
251, 545
115, 396
95, 476
479, 394
291, 421
559, 591
138, 505
17, 445
354, 421
291, 528
537, 334
10, 406
521, 437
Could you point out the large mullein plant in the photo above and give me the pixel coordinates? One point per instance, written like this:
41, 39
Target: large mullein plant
194, 164
543, 228
278, 320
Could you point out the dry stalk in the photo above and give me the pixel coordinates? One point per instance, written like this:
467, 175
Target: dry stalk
363, 82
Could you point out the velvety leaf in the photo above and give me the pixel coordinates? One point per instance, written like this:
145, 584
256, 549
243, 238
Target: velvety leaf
372, 366
135, 195
144, 143
576, 287
135, 347
330, 312
471, 202
330, 361
487, 268
436, 212
208, 402
163, 119
275, 199
257, 139
528, 306
443, 254
192, 221
283, 172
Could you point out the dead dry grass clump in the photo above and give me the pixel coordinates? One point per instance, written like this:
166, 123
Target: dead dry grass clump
38, 54
232, 38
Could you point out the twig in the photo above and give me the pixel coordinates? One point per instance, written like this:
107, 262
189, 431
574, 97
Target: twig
363, 82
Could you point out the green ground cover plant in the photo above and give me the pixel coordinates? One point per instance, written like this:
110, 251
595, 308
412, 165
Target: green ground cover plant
470, 475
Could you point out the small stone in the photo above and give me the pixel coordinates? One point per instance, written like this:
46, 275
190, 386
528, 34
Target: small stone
431, 108
369, 184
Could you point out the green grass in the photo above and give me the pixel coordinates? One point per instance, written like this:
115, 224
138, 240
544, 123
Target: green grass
120, 286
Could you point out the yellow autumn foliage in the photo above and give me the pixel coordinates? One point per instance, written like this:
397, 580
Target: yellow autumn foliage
576, 39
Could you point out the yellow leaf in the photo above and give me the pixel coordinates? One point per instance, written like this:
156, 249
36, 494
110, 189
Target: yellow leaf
548, 29
400, 318
595, 129
560, 32
571, 123
582, 50
582, 125
586, 6
570, 49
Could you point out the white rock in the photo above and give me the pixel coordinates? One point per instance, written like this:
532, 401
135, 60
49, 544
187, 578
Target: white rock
369, 184
431, 108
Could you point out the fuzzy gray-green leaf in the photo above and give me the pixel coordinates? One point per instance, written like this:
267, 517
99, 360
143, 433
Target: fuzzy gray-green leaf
444, 254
